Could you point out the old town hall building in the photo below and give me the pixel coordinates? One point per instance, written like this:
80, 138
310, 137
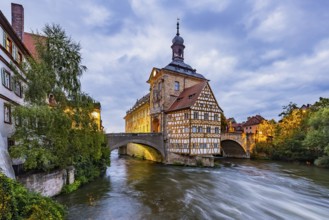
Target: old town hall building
181, 105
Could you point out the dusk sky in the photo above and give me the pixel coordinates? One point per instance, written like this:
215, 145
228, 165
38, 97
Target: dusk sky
258, 55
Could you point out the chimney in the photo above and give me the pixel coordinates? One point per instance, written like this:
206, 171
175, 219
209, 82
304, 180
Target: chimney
17, 19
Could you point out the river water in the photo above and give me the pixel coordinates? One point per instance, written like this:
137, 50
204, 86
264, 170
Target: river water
239, 189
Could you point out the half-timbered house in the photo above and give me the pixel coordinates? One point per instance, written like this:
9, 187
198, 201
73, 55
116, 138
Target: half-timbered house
193, 122
183, 107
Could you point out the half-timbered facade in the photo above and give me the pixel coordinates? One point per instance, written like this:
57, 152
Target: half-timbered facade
193, 122
183, 107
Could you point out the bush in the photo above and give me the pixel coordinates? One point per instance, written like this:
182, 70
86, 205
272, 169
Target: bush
16, 202
72, 187
322, 162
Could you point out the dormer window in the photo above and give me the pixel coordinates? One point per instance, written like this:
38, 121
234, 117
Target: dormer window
191, 96
180, 98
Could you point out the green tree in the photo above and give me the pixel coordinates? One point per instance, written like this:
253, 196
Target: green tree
65, 133
317, 138
288, 109
223, 122
56, 69
266, 130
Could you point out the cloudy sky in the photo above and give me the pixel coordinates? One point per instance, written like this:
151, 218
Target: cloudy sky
259, 55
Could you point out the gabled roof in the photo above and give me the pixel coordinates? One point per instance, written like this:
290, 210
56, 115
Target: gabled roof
254, 120
30, 42
188, 97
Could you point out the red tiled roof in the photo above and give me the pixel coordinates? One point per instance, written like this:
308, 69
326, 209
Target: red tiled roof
254, 120
187, 97
30, 41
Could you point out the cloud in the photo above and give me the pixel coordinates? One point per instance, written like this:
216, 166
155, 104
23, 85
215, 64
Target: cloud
95, 15
258, 54
207, 5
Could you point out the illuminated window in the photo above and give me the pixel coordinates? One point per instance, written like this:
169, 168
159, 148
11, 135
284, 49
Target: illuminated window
19, 58
9, 45
7, 113
5, 76
176, 86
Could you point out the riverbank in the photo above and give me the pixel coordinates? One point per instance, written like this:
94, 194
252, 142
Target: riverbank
18, 203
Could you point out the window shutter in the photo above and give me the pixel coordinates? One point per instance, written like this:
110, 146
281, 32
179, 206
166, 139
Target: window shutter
14, 52
1, 36
4, 39
3, 76
12, 83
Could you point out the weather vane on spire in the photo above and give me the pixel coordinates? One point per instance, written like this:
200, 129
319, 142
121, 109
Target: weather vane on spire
177, 27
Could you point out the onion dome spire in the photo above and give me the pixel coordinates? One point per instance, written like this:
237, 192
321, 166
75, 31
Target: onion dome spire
177, 46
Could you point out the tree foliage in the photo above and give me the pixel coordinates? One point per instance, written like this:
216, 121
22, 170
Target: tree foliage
57, 67
301, 135
63, 133
287, 109
17, 203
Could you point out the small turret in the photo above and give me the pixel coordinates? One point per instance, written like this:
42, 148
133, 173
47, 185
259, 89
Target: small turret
178, 46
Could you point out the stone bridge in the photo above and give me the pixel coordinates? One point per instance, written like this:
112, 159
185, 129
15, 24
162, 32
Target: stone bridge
237, 145
154, 140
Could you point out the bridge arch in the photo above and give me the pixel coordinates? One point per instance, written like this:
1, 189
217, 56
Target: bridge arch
152, 140
137, 141
232, 148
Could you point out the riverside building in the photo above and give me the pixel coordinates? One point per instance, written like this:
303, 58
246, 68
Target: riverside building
180, 105
13, 54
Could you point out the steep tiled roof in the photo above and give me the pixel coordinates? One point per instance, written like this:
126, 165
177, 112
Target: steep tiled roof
183, 68
188, 97
140, 102
30, 41
254, 120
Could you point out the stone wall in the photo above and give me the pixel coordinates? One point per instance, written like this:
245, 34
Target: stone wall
186, 160
48, 184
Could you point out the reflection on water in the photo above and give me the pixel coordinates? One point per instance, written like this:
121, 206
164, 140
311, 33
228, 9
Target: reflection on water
134, 189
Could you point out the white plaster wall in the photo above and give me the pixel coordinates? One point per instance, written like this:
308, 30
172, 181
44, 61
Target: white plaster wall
47, 184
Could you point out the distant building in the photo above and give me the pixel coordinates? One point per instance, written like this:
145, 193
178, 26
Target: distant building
138, 117
252, 123
233, 126
182, 106
305, 107
12, 54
